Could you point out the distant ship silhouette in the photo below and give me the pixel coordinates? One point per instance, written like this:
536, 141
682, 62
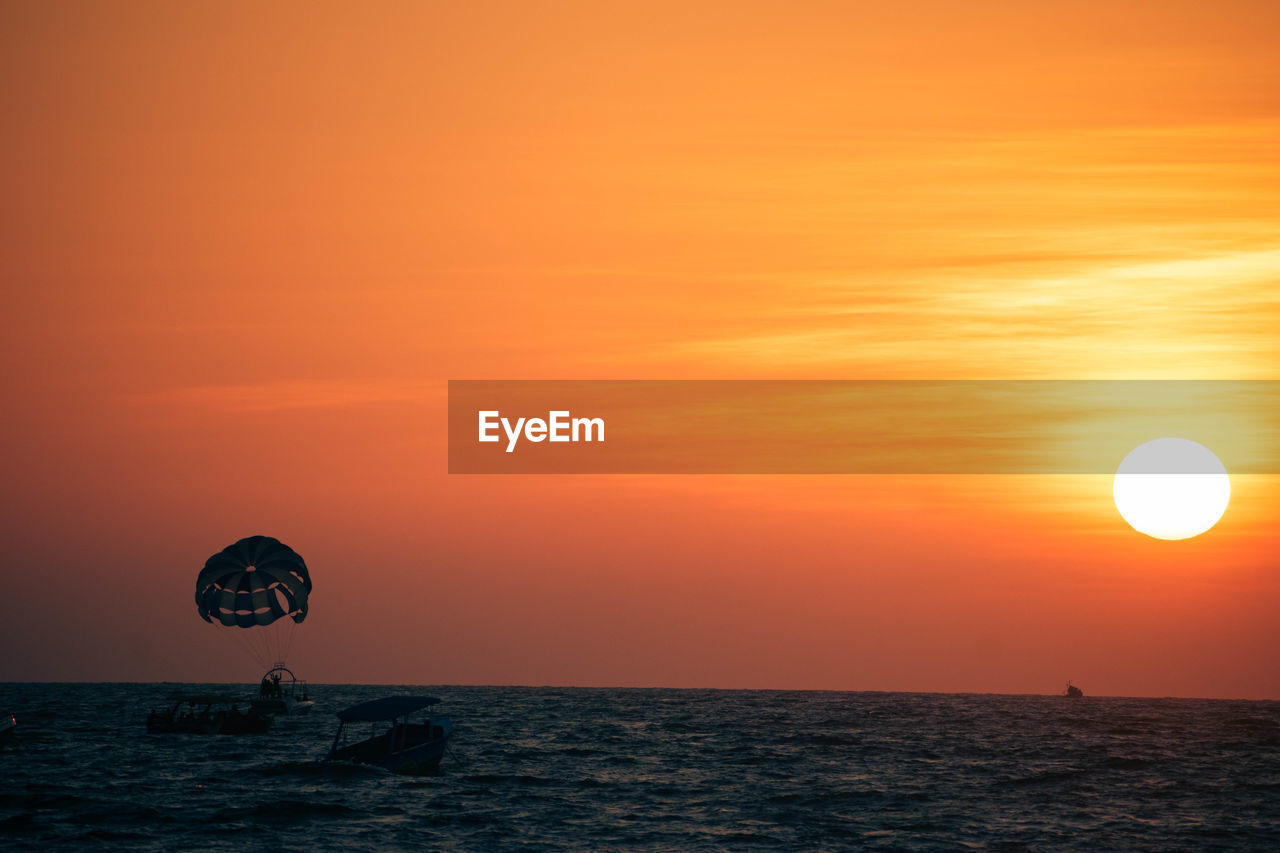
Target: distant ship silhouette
1073, 691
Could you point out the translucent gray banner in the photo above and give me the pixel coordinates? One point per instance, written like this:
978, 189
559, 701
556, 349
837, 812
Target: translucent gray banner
853, 426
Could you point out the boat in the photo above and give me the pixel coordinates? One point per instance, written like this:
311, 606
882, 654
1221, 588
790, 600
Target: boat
7, 727
405, 747
206, 714
1073, 691
281, 694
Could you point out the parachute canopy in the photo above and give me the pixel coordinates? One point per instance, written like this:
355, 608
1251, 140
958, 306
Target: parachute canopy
253, 582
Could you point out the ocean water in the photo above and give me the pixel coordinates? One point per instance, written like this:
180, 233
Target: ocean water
546, 769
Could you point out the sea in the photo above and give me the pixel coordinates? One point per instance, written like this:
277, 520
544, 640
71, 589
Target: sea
568, 769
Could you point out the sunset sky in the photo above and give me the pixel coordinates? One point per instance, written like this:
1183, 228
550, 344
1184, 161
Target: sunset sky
244, 248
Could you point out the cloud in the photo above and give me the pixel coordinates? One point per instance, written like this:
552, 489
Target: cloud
1204, 317
284, 395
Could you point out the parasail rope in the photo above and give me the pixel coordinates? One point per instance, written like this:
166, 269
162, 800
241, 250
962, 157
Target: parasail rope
248, 644
288, 645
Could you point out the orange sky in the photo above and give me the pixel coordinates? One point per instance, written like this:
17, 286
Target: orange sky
243, 250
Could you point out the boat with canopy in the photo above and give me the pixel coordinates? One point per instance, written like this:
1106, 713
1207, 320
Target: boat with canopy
414, 742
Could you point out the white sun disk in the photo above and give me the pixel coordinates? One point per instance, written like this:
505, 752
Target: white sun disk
1171, 488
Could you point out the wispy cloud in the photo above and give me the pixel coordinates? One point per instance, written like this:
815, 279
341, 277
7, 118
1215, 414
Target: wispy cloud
1142, 252
282, 395
1205, 317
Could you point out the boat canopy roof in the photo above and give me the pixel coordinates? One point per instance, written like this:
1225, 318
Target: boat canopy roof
387, 708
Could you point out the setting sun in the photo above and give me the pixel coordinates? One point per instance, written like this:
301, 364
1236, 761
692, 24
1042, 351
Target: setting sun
1172, 488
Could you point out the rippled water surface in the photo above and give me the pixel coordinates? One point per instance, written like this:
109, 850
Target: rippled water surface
602, 769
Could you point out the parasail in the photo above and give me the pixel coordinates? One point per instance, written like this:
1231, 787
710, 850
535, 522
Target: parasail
252, 584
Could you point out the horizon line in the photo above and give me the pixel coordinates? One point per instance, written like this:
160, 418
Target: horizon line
651, 687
